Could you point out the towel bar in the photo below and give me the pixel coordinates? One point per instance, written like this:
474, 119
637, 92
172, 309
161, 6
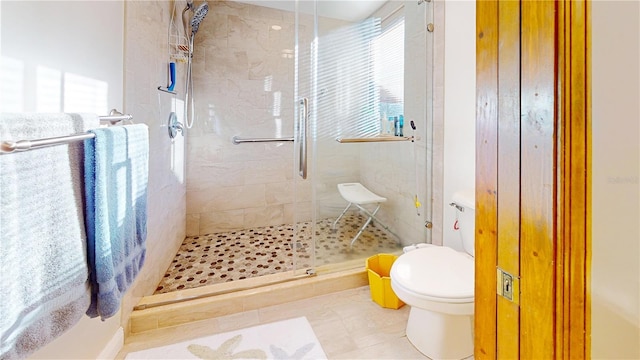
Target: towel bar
10, 146
115, 117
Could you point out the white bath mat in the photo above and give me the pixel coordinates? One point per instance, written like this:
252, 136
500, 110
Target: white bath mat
288, 339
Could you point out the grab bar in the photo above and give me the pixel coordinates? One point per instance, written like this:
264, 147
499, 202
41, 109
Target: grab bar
238, 140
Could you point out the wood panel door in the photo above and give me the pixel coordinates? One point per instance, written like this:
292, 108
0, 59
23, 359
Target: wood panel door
532, 180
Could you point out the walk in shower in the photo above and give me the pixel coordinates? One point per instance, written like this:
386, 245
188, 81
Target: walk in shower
327, 91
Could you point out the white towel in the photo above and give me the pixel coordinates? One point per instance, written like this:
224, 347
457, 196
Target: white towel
43, 267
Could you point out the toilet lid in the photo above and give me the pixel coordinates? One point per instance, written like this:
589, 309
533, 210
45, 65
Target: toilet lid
437, 271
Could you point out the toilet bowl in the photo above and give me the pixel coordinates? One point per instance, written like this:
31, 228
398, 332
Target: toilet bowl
438, 283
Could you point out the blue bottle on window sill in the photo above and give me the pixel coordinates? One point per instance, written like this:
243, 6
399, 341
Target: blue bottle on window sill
396, 126
399, 125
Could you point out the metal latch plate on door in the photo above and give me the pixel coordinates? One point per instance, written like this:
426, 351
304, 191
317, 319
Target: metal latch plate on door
508, 286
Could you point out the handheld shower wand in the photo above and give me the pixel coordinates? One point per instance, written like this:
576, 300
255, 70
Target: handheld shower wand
185, 18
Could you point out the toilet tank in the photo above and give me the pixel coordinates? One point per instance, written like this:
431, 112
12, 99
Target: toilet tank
465, 202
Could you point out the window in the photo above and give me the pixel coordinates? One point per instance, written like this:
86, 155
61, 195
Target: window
389, 68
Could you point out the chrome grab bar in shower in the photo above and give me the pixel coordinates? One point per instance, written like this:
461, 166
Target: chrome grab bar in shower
238, 140
302, 132
304, 117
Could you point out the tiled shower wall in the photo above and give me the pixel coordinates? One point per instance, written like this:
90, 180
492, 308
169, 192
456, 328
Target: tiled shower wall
146, 61
244, 78
243, 75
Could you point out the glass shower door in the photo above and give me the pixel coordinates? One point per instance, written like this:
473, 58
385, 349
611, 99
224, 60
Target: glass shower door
351, 77
303, 210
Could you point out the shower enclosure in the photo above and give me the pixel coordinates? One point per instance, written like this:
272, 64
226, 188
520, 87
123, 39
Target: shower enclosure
330, 83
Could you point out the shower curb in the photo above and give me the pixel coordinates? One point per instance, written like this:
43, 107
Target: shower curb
201, 308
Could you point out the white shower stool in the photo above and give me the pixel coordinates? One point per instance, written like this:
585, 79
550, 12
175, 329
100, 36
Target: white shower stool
358, 195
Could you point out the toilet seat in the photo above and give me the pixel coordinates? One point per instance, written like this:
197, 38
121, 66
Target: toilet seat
435, 273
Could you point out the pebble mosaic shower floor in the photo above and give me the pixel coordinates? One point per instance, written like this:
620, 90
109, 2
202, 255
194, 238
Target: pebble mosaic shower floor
214, 258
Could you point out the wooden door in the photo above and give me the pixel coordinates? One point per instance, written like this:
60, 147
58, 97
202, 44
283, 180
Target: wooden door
532, 180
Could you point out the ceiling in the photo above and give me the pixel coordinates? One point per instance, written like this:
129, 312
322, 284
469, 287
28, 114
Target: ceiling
350, 10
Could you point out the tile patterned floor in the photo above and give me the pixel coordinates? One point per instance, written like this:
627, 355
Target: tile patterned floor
348, 325
222, 257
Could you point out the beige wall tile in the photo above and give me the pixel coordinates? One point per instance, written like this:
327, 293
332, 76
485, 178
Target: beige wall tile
247, 90
193, 224
300, 211
267, 171
220, 221
215, 175
226, 198
279, 193
264, 216
145, 66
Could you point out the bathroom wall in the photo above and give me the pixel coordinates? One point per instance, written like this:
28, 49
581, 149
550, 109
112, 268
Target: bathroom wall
459, 109
146, 58
40, 57
243, 77
615, 265
132, 52
44, 50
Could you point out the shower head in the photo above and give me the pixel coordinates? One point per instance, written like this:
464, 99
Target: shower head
197, 18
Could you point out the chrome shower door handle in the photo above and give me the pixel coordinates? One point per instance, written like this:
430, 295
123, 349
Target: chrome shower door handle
302, 132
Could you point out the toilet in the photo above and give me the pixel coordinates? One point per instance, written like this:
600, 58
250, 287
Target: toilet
438, 283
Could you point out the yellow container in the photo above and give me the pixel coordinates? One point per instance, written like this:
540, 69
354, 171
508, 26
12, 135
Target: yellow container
378, 268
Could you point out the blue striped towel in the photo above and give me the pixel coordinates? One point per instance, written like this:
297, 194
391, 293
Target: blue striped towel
116, 173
